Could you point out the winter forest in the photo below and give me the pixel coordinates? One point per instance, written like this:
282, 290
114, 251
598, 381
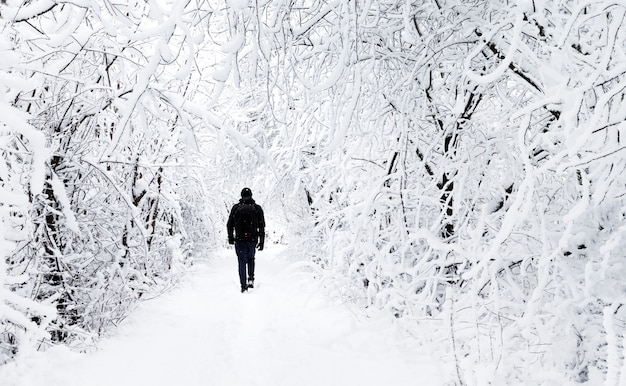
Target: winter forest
455, 163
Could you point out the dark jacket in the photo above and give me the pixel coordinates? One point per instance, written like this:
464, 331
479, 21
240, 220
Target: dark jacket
258, 234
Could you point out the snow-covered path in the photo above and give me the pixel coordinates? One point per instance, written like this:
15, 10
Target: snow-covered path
207, 333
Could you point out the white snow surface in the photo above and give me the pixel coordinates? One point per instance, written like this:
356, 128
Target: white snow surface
286, 331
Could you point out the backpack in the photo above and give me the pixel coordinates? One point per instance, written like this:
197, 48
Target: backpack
246, 222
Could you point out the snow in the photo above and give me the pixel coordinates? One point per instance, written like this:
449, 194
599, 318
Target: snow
205, 332
61, 194
504, 65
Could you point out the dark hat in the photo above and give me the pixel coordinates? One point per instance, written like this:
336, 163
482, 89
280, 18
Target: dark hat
246, 193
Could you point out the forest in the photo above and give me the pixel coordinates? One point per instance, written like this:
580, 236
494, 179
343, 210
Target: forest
456, 163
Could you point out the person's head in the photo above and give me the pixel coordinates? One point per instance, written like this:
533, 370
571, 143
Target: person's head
246, 193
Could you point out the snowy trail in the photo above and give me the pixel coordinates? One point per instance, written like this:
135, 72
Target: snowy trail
207, 333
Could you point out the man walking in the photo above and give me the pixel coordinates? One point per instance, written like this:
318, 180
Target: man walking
246, 230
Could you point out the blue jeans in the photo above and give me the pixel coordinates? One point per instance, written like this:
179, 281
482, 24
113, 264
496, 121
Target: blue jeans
245, 254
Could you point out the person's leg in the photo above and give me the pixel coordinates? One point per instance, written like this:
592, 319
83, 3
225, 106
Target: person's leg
252, 250
242, 258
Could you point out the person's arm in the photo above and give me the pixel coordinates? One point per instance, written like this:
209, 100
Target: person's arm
230, 226
261, 229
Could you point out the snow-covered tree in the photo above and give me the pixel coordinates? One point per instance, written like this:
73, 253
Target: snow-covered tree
24, 154
464, 152
114, 206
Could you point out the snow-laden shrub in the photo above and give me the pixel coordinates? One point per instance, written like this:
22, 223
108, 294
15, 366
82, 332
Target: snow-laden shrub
100, 204
465, 148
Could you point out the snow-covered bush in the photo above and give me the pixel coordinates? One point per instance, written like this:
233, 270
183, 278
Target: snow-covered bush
466, 148
101, 203
23, 322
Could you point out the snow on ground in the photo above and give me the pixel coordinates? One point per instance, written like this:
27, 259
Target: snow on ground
285, 332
